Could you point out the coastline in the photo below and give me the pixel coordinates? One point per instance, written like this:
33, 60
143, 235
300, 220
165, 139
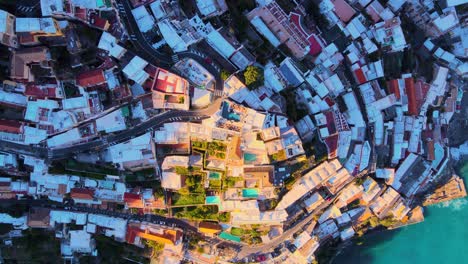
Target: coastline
380, 236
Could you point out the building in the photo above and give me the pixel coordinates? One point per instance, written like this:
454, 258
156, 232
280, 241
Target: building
91, 78
179, 35
109, 44
39, 217
228, 48
209, 228
144, 20
112, 122
22, 62
382, 204
133, 154
280, 28
313, 202
91, 4
209, 8
45, 91
7, 29
170, 179
390, 35
29, 29
445, 23
137, 233
134, 70
169, 91
310, 181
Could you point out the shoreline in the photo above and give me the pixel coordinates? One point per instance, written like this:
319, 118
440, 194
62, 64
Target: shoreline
352, 242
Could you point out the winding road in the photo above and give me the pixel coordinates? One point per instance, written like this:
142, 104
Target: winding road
155, 57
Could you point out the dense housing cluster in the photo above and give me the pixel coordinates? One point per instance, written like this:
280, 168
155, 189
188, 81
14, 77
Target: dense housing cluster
220, 130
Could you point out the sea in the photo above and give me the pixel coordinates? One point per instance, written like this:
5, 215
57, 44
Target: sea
441, 239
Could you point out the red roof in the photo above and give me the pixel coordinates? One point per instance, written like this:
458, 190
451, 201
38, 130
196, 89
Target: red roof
430, 150
360, 77
131, 197
131, 234
40, 92
25, 38
411, 92
421, 88
330, 122
163, 84
394, 88
315, 47
296, 19
10, 126
81, 193
329, 101
91, 78
98, 21
81, 13
332, 146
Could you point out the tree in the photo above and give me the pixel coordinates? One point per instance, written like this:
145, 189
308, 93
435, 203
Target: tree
374, 221
359, 181
253, 76
224, 217
388, 221
157, 247
224, 74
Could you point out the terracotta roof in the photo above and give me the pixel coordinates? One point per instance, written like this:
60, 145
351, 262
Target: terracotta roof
91, 78
411, 92
81, 193
393, 87
360, 77
39, 92
131, 197
19, 63
331, 126
430, 150
11, 126
39, 217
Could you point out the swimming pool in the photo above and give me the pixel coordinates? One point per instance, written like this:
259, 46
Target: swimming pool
250, 193
212, 200
249, 157
234, 116
214, 175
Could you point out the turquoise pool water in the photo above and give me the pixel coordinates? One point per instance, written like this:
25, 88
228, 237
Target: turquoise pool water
250, 193
212, 200
249, 157
234, 116
214, 175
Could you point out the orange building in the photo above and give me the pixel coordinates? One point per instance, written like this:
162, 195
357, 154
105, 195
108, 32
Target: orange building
151, 232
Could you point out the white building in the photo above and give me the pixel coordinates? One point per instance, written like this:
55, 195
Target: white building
144, 20
209, 8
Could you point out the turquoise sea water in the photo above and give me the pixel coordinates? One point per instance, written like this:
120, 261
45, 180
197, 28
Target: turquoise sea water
441, 239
